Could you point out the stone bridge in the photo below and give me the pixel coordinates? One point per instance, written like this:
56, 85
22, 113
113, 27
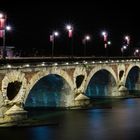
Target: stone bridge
23, 85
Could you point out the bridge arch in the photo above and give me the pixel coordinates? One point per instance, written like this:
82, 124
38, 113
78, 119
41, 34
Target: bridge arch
11, 78
132, 78
128, 70
97, 69
63, 74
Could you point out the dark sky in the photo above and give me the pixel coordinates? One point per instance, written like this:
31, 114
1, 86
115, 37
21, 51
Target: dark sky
33, 22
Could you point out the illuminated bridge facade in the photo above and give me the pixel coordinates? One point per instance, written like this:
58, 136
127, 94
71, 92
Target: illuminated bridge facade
65, 84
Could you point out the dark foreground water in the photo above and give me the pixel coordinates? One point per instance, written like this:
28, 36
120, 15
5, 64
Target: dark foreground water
120, 122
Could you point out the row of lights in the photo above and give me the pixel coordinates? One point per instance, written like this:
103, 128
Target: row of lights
69, 28
76, 63
87, 38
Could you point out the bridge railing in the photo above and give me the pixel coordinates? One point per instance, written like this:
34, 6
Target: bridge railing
59, 59
43, 61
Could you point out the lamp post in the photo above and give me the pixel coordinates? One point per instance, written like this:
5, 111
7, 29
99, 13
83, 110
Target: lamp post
136, 52
85, 40
7, 28
3, 29
127, 38
123, 48
2, 32
127, 43
105, 35
69, 28
109, 43
52, 39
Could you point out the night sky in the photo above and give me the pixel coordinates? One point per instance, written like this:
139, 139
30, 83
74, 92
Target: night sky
33, 22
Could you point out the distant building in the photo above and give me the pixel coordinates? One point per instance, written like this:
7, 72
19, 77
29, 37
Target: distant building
9, 51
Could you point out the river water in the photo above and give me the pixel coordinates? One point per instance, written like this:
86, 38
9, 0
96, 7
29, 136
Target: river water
121, 121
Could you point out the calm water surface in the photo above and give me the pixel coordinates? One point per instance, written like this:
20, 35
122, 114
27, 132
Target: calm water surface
120, 122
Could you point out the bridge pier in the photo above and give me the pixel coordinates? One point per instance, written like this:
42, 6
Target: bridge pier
123, 91
12, 114
82, 101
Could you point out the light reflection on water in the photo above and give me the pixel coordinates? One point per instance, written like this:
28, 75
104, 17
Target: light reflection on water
39, 133
121, 122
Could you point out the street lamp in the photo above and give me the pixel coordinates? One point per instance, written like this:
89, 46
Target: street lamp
1, 15
109, 43
85, 40
105, 35
8, 28
69, 28
127, 43
52, 38
127, 38
136, 52
4, 51
3, 29
123, 48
